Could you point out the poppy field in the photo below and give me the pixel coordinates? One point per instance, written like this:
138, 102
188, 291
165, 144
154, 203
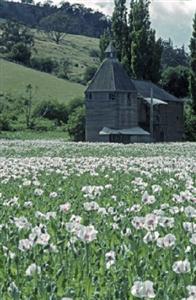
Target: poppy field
97, 221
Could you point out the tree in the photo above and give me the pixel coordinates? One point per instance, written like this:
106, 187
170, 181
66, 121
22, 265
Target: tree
176, 81
193, 67
76, 124
20, 53
172, 57
145, 51
28, 106
17, 40
27, 1
89, 73
55, 26
120, 28
13, 33
104, 42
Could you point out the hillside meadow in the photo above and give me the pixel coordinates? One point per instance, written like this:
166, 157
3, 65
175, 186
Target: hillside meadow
76, 48
97, 221
14, 78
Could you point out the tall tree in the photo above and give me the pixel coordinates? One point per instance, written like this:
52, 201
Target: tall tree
120, 28
104, 42
145, 50
193, 66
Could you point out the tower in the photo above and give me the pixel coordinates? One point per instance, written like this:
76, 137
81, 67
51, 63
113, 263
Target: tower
111, 102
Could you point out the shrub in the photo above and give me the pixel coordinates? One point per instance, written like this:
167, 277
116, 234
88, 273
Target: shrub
42, 124
73, 104
190, 124
44, 64
94, 53
52, 110
76, 124
176, 81
64, 68
20, 53
89, 73
4, 122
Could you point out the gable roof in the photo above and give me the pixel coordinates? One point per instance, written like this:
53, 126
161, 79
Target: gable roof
144, 89
111, 77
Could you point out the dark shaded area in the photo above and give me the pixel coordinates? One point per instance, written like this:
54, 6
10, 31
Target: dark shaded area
79, 19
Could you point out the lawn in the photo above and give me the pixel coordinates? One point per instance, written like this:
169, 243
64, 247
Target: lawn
97, 221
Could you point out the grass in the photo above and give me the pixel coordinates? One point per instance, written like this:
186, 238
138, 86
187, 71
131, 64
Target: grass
76, 48
14, 78
34, 135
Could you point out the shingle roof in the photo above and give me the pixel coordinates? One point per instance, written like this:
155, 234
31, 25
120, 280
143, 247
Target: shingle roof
111, 76
144, 89
110, 48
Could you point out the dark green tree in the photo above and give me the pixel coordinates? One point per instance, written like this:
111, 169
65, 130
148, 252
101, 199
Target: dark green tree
193, 67
176, 81
145, 51
13, 33
20, 53
120, 28
55, 26
172, 57
17, 40
76, 124
104, 42
89, 73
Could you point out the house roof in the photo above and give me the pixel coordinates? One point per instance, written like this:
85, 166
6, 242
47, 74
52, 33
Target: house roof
127, 131
111, 77
144, 90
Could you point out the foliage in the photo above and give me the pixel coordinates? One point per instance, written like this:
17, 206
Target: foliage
104, 42
55, 26
145, 50
52, 110
17, 40
20, 53
173, 57
66, 18
89, 73
76, 124
43, 64
64, 68
193, 67
190, 122
176, 81
120, 28
42, 124
4, 122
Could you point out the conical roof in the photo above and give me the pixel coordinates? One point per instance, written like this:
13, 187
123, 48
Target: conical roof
110, 48
111, 77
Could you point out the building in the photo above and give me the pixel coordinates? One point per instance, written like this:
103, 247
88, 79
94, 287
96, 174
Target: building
119, 109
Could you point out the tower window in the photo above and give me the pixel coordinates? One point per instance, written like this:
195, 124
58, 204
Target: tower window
112, 96
90, 96
129, 100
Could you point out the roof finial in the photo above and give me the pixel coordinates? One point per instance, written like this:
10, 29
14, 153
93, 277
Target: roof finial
111, 51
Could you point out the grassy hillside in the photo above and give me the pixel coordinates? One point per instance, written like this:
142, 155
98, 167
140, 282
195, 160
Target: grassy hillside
14, 78
78, 49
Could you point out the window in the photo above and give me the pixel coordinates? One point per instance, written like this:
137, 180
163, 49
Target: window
112, 96
90, 96
129, 100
